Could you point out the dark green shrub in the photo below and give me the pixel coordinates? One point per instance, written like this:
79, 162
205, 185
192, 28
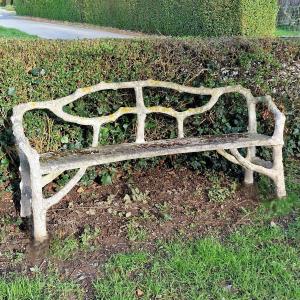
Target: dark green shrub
43, 70
168, 17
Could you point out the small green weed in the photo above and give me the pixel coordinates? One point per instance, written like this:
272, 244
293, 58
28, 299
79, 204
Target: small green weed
136, 195
89, 177
135, 232
65, 249
4, 163
199, 192
219, 193
88, 237
164, 211
15, 257
5, 224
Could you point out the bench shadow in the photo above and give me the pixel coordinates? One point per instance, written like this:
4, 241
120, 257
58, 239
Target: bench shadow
37, 251
10, 150
251, 190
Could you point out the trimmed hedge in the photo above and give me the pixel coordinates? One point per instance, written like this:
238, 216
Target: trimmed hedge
67, 10
42, 70
258, 17
168, 17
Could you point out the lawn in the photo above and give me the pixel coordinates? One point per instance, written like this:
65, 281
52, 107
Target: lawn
9, 8
283, 32
252, 263
260, 260
10, 33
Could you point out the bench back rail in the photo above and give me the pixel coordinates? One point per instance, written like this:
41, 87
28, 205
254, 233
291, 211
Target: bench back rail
56, 107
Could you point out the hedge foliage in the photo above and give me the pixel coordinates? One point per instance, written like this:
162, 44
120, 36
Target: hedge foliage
168, 17
42, 70
258, 17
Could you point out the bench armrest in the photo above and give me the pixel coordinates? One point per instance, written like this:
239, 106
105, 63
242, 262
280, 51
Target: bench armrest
278, 116
18, 130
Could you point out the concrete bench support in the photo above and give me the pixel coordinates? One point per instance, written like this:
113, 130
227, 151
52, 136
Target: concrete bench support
37, 170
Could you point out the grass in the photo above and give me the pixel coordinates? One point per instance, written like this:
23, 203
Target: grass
38, 287
10, 33
9, 8
287, 32
260, 261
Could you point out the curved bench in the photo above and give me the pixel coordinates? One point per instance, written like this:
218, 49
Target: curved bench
39, 170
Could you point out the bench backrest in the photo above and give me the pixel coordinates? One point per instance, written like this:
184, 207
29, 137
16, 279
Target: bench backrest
56, 107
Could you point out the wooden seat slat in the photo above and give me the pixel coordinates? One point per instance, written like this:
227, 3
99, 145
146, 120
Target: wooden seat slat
67, 160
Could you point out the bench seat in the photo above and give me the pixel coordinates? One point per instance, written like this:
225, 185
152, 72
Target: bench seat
67, 160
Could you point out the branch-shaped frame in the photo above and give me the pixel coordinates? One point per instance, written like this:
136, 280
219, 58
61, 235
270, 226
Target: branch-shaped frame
33, 179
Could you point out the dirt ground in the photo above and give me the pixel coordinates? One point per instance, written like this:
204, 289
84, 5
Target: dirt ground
132, 213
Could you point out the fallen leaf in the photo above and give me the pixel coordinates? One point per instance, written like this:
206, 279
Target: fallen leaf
91, 212
80, 190
139, 293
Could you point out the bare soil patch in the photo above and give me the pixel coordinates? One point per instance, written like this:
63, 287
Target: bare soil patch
133, 213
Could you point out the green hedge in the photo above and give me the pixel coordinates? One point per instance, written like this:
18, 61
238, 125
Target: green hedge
168, 17
67, 10
42, 70
258, 17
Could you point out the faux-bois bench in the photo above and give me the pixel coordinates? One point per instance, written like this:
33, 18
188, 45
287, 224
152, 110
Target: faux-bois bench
37, 170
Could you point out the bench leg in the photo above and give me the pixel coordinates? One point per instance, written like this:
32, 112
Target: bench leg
279, 172
25, 187
39, 224
249, 174
249, 177
39, 209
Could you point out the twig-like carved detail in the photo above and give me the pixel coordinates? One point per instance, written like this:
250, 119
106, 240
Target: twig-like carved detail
261, 162
228, 156
255, 160
249, 165
59, 195
30, 159
50, 177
